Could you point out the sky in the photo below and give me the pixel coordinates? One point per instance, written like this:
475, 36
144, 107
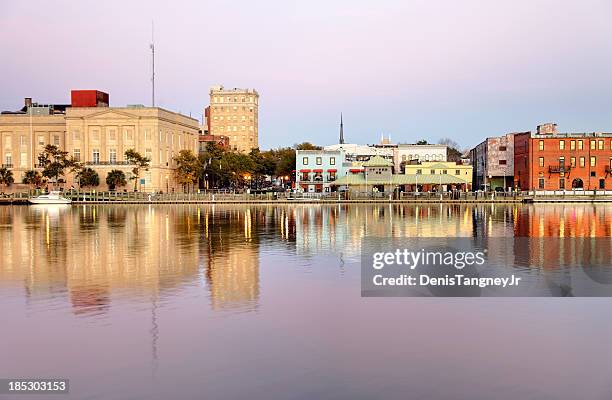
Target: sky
407, 69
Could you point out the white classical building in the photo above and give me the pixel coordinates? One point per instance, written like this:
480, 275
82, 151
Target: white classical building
417, 153
362, 152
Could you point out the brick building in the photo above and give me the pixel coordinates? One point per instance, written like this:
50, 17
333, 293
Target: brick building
549, 160
493, 163
234, 113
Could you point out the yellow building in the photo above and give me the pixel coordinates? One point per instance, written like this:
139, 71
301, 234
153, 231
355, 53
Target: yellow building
234, 113
98, 137
433, 173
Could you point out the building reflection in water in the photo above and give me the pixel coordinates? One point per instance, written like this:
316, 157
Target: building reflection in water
89, 253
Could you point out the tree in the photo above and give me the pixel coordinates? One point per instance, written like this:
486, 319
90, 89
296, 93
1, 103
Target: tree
54, 162
454, 153
285, 163
6, 177
263, 164
115, 178
422, 142
139, 161
87, 177
187, 170
32, 177
308, 146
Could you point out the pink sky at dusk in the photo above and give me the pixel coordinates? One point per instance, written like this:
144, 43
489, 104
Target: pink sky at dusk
411, 69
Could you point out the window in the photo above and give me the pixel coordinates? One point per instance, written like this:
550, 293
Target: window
593, 161
600, 145
419, 171
76, 154
581, 162
580, 145
8, 160
319, 161
305, 160
562, 183
541, 145
457, 172
332, 160
573, 162
433, 172
593, 144
602, 183
541, 161
541, 183
112, 156
41, 140
572, 145
502, 148
445, 171
23, 159
502, 162
149, 154
561, 162
96, 156
562, 145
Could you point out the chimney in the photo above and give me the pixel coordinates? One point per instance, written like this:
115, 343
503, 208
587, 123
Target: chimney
28, 102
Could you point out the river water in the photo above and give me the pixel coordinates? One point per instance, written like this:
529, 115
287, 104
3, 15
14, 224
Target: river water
263, 302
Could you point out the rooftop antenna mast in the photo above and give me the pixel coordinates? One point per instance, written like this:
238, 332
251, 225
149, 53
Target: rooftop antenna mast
152, 46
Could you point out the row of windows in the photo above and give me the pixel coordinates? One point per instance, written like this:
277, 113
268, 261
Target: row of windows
233, 128
235, 108
23, 139
235, 99
581, 161
234, 118
319, 161
433, 172
579, 144
426, 157
576, 183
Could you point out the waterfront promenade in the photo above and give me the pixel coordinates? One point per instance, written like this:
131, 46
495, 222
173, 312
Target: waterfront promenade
99, 197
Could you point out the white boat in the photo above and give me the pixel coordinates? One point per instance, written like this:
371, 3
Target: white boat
54, 197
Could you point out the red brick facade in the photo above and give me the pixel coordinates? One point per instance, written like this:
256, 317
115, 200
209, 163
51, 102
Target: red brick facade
563, 161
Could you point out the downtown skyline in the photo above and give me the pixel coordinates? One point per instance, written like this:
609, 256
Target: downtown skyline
411, 70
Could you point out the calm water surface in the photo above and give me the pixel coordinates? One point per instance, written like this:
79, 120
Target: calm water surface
263, 302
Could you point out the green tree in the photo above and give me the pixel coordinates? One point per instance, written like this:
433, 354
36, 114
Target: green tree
139, 161
422, 142
212, 170
87, 177
308, 146
263, 164
54, 162
187, 170
6, 177
33, 178
285, 161
115, 178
